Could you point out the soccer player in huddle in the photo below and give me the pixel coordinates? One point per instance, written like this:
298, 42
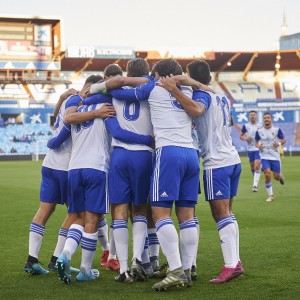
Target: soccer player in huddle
88, 170
54, 190
248, 134
267, 140
129, 178
221, 162
176, 170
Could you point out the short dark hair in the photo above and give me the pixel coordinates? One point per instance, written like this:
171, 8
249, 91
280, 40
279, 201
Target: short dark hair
267, 113
252, 111
137, 67
200, 71
166, 67
93, 79
112, 70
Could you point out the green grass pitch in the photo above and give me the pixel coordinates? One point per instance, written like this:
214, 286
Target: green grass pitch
269, 244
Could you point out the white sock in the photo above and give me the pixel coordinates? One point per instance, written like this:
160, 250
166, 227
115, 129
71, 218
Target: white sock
121, 241
103, 234
256, 178
227, 235
36, 233
237, 239
88, 245
153, 242
188, 243
198, 237
269, 188
112, 245
61, 240
139, 232
73, 239
168, 240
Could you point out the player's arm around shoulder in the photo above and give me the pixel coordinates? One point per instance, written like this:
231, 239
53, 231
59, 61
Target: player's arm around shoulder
196, 85
71, 108
62, 98
117, 82
193, 108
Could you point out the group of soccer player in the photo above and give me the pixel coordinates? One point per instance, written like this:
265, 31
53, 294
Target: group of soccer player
132, 145
263, 146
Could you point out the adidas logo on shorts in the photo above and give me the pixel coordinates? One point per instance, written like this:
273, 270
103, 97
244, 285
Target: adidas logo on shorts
219, 193
164, 194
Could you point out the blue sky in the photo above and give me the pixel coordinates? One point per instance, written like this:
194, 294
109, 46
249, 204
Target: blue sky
218, 25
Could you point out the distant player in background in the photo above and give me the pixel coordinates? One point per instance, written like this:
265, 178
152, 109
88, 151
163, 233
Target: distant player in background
267, 140
248, 134
221, 161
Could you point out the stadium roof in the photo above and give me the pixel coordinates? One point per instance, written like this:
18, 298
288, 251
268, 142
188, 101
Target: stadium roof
285, 60
30, 19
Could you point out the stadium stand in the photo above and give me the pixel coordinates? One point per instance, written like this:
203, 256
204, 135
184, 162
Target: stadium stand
48, 93
249, 91
13, 91
24, 139
290, 89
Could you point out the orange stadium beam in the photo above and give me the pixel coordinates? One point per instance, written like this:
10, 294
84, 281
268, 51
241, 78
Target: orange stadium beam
89, 62
249, 65
226, 64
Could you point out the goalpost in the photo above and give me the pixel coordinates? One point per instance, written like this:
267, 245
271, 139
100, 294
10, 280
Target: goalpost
35, 155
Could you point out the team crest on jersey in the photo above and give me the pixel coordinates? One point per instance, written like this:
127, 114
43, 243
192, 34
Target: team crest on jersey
171, 95
176, 104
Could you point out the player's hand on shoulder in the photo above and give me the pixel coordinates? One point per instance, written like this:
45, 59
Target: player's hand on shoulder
169, 83
208, 89
68, 93
105, 111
